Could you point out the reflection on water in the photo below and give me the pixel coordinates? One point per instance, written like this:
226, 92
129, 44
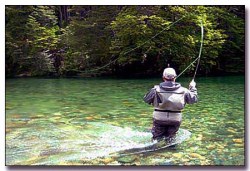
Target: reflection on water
82, 121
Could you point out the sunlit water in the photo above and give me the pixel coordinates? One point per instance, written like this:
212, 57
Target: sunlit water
84, 121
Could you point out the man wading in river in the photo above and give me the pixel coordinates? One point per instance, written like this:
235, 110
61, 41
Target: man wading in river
168, 99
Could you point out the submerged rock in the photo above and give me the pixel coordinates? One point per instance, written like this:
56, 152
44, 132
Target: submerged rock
196, 155
107, 161
211, 146
126, 159
166, 163
238, 140
177, 155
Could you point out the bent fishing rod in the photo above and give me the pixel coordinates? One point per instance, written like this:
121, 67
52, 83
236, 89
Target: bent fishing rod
199, 56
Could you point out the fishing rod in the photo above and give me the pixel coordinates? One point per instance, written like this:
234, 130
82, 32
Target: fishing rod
199, 56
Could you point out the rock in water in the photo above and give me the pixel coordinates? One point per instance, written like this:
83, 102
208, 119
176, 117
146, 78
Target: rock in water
126, 159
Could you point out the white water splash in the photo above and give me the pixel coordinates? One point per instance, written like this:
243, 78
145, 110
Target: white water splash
69, 143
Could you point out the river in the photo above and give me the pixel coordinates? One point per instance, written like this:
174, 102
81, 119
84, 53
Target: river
82, 121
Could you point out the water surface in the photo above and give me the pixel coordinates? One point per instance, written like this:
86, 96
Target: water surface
82, 121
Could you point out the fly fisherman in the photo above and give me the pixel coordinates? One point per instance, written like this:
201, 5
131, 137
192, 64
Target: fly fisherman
168, 99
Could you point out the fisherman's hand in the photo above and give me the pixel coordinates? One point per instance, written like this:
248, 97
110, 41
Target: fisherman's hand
192, 84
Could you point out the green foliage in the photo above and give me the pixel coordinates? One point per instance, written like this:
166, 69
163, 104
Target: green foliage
42, 37
87, 38
232, 58
15, 34
123, 39
133, 42
29, 37
178, 45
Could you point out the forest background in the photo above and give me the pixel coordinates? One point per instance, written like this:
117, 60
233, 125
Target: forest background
101, 40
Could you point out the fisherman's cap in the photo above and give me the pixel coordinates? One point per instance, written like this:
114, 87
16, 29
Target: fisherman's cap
169, 73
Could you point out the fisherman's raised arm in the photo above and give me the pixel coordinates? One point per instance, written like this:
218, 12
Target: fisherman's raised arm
191, 96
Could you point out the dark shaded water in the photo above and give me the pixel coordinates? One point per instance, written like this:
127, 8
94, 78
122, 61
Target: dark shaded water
81, 121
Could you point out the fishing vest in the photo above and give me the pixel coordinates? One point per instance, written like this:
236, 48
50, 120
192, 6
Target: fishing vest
169, 100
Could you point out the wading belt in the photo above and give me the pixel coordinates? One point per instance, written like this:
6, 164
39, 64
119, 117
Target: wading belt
170, 111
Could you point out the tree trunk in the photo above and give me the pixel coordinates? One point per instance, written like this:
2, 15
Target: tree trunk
60, 16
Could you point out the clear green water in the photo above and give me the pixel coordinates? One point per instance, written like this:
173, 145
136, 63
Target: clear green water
81, 121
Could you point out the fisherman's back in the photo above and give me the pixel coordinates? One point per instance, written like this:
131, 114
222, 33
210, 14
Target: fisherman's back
169, 99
